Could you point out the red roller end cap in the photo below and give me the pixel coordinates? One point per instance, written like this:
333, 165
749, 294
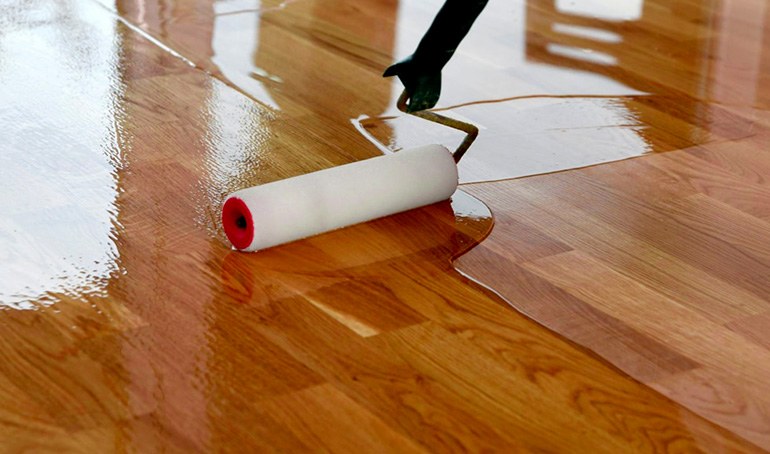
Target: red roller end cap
238, 224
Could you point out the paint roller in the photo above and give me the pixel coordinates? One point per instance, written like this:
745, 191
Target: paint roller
286, 210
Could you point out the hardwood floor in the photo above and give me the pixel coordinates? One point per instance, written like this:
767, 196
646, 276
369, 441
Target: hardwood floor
665, 262
624, 306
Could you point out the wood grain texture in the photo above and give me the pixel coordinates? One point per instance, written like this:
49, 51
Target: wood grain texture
127, 324
660, 268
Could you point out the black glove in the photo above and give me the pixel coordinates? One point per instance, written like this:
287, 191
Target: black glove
421, 72
422, 84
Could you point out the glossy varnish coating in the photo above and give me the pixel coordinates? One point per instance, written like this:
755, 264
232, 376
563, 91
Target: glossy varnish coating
601, 82
128, 324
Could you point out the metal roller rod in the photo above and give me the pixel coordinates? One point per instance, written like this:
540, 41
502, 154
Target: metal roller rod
471, 130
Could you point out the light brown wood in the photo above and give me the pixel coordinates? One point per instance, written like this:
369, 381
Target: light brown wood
665, 263
128, 324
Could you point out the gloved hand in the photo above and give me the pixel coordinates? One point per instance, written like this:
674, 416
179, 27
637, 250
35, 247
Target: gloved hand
422, 83
421, 72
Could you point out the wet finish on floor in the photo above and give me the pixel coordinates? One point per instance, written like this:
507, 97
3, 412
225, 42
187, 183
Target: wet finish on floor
601, 82
556, 85
129, 324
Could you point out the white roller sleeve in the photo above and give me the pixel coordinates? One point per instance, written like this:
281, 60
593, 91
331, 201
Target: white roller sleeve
282, 211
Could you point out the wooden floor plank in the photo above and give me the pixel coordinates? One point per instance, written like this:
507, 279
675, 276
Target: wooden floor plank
719, 299
681, 329
680, 267
754, 328
393, 391
654, 224
630, 349
719, 184
310, 413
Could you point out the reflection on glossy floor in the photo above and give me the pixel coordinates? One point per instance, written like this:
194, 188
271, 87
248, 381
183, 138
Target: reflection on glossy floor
539, 134
557, 85
127, 323
635, 80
